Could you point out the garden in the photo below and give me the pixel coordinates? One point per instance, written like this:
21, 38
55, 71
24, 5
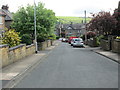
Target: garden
104, 30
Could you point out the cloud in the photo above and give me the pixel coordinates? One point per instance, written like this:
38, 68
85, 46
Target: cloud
67, 7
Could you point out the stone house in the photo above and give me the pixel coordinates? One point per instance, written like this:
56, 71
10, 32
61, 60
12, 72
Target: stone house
66, 30
2, 21
8, 16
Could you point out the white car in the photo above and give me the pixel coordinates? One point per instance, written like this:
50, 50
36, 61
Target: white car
77, 42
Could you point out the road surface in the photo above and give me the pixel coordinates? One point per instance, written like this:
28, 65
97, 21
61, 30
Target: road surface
68, 67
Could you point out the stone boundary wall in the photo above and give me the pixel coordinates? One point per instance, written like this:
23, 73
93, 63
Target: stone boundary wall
105, 44
45, 44
116, 46
92, 42
11, 55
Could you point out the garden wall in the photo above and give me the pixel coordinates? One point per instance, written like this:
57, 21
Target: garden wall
105, 44
45, 44
11, 55
116, 46
92, 42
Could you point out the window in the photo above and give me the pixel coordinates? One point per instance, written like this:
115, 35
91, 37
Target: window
1, 20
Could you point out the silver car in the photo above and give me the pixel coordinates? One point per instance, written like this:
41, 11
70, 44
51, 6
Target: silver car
77, 42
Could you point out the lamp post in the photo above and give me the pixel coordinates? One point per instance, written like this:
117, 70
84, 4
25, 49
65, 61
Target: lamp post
36, 49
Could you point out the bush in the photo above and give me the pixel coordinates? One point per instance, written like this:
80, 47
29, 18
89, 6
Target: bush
89, 35
99, 38
11, 38
118, 37
26, 39
57, 37
52, 36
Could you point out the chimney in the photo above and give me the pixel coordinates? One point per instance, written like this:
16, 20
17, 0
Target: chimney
5, 7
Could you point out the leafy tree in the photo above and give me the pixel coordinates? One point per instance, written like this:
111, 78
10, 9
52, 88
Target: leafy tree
117, 16
26, 39
11, 38
103, 23
24, 21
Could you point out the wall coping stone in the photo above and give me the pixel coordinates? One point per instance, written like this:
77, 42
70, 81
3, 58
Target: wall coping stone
29, 45
12, 48
117, 40
5, 45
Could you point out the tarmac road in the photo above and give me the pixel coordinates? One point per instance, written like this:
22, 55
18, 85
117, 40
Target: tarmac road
68, 67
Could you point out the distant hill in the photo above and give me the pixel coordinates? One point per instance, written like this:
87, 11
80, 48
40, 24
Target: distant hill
68, 19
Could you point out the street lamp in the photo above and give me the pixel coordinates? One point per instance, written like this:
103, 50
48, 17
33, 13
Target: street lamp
36, 49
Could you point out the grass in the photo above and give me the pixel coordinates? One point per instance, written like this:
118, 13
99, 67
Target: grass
68, 19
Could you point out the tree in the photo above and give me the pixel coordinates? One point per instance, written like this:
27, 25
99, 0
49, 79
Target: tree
11, 38
117, 16
24, 21
103, 23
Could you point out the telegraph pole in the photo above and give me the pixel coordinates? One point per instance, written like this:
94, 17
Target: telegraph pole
85, 29
35, 27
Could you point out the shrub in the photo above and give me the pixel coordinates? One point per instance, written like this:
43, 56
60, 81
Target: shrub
89, 35
11, 38
52, 36
26, 39
118, 37
99, 38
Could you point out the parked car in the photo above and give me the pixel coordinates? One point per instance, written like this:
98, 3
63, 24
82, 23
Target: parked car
70, 38
64, 40
77, 42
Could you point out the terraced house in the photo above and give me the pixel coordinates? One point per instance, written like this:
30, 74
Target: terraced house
66, 30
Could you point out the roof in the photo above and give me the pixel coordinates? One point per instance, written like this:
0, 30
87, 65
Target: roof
8, 16
2, 13
72, 26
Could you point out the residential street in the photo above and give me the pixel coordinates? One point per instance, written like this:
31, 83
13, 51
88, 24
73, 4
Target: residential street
68, 67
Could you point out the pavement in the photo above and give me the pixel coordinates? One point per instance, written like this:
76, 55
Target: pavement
109, 54
12, 72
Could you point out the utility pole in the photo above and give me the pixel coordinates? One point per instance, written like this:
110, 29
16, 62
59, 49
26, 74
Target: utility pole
85, 29
36, 48
60, 29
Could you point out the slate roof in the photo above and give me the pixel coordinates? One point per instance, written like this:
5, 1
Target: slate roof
8, 16
72, 26
2, 13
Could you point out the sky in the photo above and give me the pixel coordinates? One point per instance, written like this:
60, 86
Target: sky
66, 7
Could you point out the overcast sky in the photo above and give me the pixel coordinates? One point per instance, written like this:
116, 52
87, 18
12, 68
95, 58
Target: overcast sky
67, 7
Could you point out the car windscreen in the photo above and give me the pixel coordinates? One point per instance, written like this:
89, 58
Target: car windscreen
78, 39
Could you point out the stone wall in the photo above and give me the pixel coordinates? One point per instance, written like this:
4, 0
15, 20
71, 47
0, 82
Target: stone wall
11, 55
45, 44
92, 42
116, 46
105, 44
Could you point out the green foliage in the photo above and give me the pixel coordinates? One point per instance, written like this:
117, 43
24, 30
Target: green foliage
11, 38
118, 37
52, 36
68, 19
89, 35
26, 39
24, 21
99, 38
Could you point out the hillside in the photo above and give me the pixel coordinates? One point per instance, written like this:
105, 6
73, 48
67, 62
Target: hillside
68, 19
